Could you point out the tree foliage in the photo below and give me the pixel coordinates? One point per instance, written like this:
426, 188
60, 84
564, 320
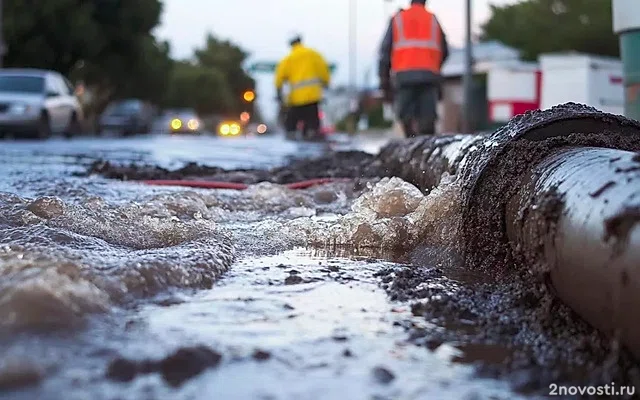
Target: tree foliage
201, 88
541, 26
110, 46
228, 59
110, 40
214, 81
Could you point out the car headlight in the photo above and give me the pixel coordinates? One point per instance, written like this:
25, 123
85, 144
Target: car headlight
224, 129
193, 124
176, 124
19, 108
234, 129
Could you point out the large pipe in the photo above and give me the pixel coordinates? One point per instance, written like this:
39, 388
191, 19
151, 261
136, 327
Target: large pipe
541, 193
577, 218
490, 174
423, 160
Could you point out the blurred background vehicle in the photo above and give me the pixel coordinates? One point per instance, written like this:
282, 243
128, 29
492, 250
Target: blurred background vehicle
230, 128
127, 117
184, 121
257, 129
37, 103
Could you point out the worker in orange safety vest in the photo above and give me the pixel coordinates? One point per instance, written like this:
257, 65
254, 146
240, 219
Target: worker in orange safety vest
411, 56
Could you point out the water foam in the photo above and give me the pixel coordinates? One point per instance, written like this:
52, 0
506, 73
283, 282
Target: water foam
61, 260
392, 214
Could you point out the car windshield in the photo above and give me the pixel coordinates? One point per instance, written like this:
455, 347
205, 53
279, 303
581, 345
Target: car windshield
21, 84
123, 108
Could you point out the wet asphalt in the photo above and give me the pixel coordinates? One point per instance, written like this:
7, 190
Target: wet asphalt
282, 321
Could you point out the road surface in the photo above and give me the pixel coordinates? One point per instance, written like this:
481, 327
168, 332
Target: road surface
102, 281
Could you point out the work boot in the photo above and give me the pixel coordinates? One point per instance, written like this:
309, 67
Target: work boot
314, 136
407, 127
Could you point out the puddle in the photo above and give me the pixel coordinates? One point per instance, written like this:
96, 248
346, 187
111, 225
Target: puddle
332, 334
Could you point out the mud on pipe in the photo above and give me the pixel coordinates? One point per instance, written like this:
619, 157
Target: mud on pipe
513, 218
575, 218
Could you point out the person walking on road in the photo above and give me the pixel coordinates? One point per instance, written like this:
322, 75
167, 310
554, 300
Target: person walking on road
411, 56
307, 73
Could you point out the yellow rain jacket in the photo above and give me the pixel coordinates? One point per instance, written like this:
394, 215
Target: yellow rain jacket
306, 72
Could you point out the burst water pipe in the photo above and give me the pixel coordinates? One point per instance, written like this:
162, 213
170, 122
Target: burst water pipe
577, 216
572, 210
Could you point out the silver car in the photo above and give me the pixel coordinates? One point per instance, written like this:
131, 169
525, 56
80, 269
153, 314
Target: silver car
37, 103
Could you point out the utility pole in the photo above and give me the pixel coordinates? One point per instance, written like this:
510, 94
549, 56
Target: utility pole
468, 73
353, 68
3, 47
626, 23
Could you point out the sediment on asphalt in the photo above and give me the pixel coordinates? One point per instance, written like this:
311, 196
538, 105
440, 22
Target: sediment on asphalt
518, 219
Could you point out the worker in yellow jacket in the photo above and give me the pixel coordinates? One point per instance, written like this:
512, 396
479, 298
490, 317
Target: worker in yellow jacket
306, 73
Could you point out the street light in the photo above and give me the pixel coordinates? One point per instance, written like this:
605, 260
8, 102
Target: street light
249, 96
352, 61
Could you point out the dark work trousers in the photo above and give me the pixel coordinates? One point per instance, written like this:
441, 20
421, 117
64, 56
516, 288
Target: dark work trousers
308, 114
415, 107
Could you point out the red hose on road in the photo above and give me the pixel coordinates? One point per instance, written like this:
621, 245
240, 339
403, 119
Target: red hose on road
197, 184
237, 186
313, 182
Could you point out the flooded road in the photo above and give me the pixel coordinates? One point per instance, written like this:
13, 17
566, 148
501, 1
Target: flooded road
118, 290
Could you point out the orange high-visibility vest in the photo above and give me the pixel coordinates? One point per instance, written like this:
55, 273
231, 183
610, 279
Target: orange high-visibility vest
416, 41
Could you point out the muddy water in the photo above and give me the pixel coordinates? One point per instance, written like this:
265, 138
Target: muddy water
113, 289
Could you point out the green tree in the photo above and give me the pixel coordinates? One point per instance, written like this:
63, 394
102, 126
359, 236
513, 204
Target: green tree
228, 58
51, 34
540, 26
201, 88
128, 61
106, 43
150, 72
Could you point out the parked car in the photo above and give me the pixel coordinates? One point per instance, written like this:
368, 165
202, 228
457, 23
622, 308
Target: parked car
184, 121
128, 117
37, 103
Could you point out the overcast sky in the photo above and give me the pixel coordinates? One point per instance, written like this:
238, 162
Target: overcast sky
263, 26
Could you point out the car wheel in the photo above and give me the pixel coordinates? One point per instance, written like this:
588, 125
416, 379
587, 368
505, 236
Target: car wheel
74, 127
43, 130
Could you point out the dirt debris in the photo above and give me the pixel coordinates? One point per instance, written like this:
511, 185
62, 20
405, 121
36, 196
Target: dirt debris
346, 164
514, 314
261, 355
513, 330
383, 375
176, 368
16, 374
